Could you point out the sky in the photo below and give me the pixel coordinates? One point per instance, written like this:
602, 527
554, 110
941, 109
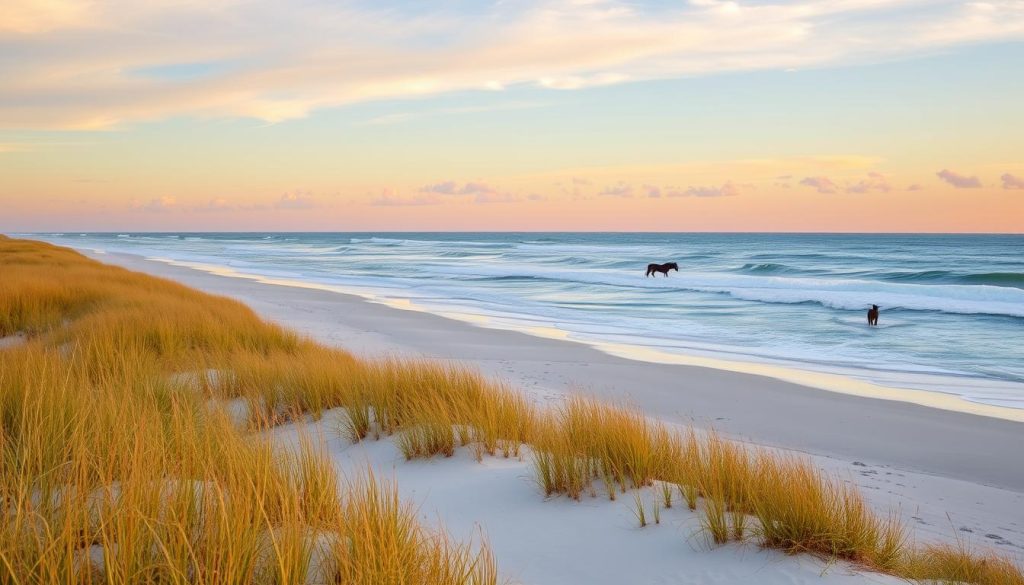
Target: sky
581, 115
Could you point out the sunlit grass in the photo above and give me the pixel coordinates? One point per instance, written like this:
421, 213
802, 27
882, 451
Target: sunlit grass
381, 542
120, 464
957, 563
429, 432
559, 467
639, 509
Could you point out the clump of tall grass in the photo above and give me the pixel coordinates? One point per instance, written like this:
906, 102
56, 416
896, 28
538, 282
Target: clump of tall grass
639, 509
715, 520
667, 493
798, 509
429, 432
382, 542
957, 563
585, 440
426, 401
559, 467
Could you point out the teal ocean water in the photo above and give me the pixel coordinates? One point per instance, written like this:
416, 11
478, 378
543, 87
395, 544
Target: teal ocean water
952, 305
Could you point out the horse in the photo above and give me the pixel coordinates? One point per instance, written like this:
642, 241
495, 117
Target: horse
662, 268
873, 315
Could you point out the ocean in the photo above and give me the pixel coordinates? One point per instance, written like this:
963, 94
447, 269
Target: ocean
952, 306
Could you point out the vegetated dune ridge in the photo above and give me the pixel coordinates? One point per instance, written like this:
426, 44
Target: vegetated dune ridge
112, 472
124, 459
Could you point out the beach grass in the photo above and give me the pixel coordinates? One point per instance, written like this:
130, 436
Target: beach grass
122, 464
131, 419
957, 563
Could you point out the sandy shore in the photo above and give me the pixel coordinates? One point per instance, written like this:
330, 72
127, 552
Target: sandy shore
951, 473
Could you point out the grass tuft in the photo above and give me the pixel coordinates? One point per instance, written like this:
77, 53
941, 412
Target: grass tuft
639, 509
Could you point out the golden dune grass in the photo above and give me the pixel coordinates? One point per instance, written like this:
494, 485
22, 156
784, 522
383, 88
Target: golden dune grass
957, 564
113, 471
106, 419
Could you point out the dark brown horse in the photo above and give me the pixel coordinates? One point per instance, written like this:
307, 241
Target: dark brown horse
873, 315
662, 268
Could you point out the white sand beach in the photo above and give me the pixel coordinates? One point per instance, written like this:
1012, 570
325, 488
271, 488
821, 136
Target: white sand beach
952, 475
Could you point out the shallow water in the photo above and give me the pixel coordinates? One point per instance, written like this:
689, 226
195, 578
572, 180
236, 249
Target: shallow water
952, 305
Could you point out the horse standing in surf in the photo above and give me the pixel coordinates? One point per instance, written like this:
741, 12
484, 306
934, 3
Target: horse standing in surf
662, 268
873, 316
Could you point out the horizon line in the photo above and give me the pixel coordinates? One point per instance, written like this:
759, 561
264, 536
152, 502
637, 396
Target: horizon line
850, 233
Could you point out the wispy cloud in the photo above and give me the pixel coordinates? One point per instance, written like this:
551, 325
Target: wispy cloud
155, 205
652, 191
873, 182
1012, 181
218, 204
401, 117
30, 17
74, 63
959, 181
619, 190
764, 167
496, 198
445, 188
728, 189
453, 193
820, 183
454, 188
296, 200
389, 198
223, 205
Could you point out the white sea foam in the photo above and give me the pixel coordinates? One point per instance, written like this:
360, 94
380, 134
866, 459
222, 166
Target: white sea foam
847, 294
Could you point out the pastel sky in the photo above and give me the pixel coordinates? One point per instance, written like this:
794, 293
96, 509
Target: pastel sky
662, 115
